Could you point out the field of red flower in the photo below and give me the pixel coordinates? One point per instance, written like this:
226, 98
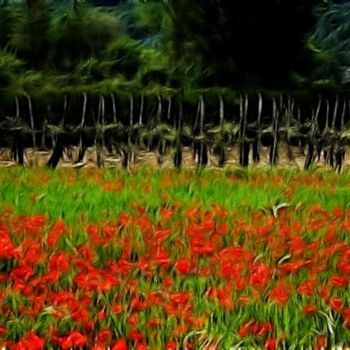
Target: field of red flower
174, 260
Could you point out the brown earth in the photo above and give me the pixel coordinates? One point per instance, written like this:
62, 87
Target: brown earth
145, 158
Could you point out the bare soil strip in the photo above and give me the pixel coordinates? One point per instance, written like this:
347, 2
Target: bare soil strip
39, 158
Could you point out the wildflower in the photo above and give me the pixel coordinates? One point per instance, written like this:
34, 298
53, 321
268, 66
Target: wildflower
260, 275
171, 345
306, 288
335, 303
179, 298
183, 266
120, 344
135, 336
271, 344
309, 310
280, 294
339, 281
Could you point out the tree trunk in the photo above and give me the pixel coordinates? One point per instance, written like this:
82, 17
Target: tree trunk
82, 148
222, 110
335, 112
160, 109
31, 120
257, 143
343, 116
114, 109
289, 122
57, 154
17, 107
169, 108
141, 109
244, 145
312, 139
275, 115
178, 151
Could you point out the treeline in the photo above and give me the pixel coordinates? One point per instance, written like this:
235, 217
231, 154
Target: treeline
161, 75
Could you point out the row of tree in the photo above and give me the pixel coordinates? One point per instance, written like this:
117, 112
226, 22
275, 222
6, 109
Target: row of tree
175, 72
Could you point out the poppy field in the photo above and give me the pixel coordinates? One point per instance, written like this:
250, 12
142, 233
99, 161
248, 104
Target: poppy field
161, 259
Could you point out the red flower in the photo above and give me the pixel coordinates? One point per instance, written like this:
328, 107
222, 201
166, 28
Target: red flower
104, 336
117, 309
339, 281
226, 269
120, 344
183, 266
335, 303
54, 234
321, 342
281, 295
338, 212
31, 342
171, 345
306, 288
240, 283
271, 344
309, 310
135, 336
324, 292
346, 316
75, 339
59, 262
246, 329
179, 298
124, 219
260, 275
166, 213
133, 319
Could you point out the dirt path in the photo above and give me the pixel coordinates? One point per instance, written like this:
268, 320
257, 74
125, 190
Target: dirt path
144, 158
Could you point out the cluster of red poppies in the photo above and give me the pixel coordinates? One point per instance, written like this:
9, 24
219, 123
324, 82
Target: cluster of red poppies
143, 282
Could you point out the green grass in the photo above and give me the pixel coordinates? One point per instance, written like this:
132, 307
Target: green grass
82, 197
57, 197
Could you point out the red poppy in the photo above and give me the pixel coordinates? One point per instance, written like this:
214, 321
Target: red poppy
31, 342
166, 213
120, 344
271, 344
306, 288
336, 303
75, 339
183, 266
179, 298
309, 310
60, 262
260, 275
324, 292
226, 269
133, 319
246, 329
339, 281
171, 345
124, 219
281, 295
104, 336
321, 342
136, 336
240, 283
54, 234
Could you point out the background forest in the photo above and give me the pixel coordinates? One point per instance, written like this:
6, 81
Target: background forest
121, 75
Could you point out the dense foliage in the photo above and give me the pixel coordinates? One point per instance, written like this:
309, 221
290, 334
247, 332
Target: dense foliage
76, 74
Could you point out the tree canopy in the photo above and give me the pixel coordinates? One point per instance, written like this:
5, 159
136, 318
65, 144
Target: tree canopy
273, 44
